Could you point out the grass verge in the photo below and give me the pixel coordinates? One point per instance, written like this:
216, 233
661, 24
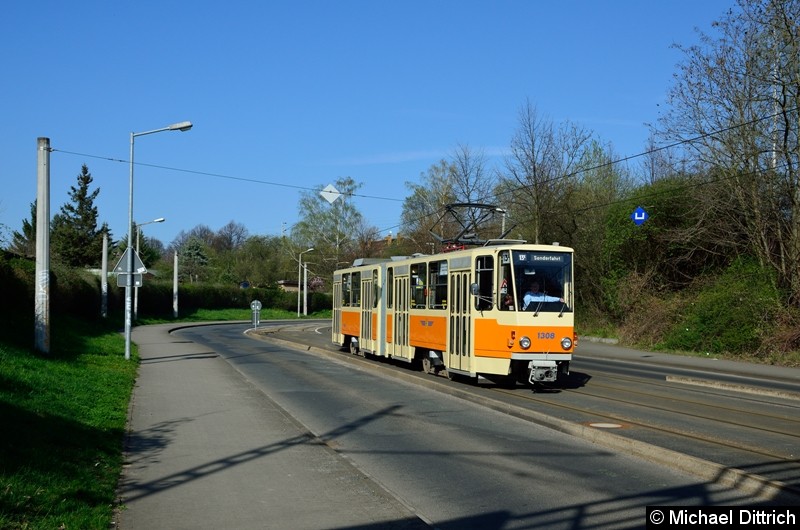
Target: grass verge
63, 417
207, 315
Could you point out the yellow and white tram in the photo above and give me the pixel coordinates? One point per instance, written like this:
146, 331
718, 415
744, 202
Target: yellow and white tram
472, 312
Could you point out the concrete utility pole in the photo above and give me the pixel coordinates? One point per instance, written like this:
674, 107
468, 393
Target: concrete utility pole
175, 287
305, 289
42, 309
136, 287
104, 278
300, 277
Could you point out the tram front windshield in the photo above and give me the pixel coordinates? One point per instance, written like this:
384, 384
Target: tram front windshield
542, 281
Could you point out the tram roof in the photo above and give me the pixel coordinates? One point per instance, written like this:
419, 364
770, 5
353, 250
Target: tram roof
359, 262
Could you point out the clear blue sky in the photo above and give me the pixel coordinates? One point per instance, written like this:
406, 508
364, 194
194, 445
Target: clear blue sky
291, 95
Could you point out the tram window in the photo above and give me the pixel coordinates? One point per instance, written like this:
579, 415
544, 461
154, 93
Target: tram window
355, 296
418, 287
506, 296
376, 288
389, 287
437, 285
346, 279
484, 276
552, 272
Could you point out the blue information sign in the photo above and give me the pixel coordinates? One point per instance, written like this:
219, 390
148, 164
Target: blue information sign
639, 216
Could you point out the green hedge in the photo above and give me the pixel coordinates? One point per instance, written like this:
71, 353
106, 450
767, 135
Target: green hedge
155, 298
78, 292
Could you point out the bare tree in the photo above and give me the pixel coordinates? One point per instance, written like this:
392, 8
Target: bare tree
735, 104
200, 232
230, 237
660, 162
543, 159
428, 198
463, 179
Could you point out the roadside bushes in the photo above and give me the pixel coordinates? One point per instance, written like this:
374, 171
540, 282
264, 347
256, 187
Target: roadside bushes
16, 301
155, 298
77, 292
734, 313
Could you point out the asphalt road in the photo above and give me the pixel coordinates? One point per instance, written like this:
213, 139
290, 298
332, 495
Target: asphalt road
454, 463
732, 422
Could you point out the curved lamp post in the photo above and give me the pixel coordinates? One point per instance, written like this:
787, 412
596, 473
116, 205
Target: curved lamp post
181, 126
300, 277
136, 287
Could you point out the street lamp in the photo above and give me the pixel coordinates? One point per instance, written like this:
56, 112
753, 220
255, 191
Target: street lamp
136, 288
181, 126
503, 224
300, 277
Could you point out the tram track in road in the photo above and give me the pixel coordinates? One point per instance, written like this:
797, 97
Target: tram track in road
629, 422
788, 425
736, 432
738, 439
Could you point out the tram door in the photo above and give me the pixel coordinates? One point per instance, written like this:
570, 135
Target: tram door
336, 328
458, 354
366, 340
401, 322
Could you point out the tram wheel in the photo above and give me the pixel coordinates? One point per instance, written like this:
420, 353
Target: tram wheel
427, 366
353, 347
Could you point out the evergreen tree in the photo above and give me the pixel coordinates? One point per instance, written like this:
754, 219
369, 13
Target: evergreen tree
75, 238
24, 243
193, 259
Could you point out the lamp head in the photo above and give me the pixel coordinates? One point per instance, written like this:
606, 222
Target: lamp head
182, 126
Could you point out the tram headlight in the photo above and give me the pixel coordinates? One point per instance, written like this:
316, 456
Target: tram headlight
566, 343
524, 343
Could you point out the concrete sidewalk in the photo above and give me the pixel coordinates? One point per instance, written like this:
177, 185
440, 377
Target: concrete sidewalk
206, 449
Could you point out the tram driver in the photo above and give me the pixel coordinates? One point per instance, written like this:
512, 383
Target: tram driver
534, 294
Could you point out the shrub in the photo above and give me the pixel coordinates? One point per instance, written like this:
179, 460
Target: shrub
647, 313
733, 314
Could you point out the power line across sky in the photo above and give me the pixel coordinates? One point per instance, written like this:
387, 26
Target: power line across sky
297, 94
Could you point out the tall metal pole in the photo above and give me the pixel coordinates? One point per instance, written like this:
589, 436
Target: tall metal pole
42, 303
182, 126
300, 277
129, 266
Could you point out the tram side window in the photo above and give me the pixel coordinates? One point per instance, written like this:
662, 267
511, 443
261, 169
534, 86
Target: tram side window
376, 289
389, 287
437, 285
484, 276
418, 287
346, 289
506, 297
355, 296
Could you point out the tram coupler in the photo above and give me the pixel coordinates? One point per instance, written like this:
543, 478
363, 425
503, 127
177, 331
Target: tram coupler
542, 371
